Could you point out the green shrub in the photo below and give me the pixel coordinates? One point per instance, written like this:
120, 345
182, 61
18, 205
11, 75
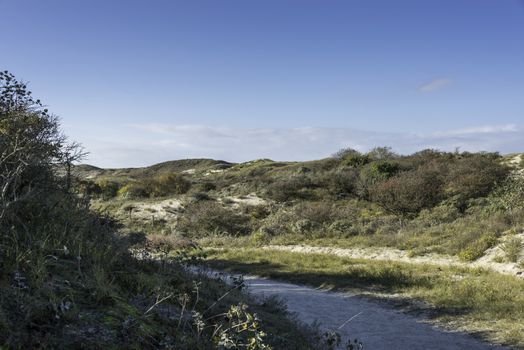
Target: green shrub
477, 248
204, 218
261, 237
206, 186
168, 184
409, 192
340, 182
286, 189
303, 226
88, 188
513, 249
475, 175
445, 212
133, 190
384, 169
109, 189
382, 153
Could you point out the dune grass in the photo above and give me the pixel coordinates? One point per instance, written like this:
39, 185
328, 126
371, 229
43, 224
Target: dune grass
481, 302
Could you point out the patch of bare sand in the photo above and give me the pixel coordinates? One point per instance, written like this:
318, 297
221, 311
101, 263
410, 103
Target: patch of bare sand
391, 254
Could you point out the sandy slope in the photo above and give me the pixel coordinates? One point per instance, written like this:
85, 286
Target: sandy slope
391, 254
377, 325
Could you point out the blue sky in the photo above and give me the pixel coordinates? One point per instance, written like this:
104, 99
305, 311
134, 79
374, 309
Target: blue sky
138, 82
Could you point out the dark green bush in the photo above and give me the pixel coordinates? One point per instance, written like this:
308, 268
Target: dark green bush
88, 188
475, 175
409, 192
384, 169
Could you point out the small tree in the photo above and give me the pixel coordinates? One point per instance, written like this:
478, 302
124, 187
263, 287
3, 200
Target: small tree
32, 148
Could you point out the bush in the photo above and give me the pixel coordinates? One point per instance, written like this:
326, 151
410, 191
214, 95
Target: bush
133, 190
204, 218
476, 249
290, 188
340, 182
108, 189
88, 188
409, 192
475, 175
513, 249
159, 186
167, 184
382, 153
384, 169
207, 186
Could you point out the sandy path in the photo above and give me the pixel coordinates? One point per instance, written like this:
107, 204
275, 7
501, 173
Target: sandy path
378, 326
391, 254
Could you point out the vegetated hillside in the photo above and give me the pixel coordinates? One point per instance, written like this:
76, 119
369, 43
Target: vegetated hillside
69, 281
458, 210
456, 203
86, 171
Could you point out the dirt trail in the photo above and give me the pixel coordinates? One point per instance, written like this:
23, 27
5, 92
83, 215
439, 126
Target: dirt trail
378, 326
391, 254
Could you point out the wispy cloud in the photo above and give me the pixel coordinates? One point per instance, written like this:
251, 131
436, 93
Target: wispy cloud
485, 129
156, 142
435, 84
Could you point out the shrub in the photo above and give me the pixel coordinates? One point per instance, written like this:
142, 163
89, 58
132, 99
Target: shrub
167, 184
409, 192
352, 158
261, 237
384, 169
133, 190
303, 226
345, 152
88, 188
164, 244
288, 188
446, 212
340, 182
382, 153
108, 189
513, 249
476, 249
318, 213
207, 186
204, 218
475, 175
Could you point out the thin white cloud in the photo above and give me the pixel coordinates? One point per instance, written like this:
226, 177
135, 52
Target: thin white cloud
435, 84
153, 143
485, 129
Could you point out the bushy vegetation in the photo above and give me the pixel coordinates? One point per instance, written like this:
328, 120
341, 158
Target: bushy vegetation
430, 201
202, 218
68, 280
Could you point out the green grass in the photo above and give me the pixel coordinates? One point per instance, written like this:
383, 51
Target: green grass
482, 302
